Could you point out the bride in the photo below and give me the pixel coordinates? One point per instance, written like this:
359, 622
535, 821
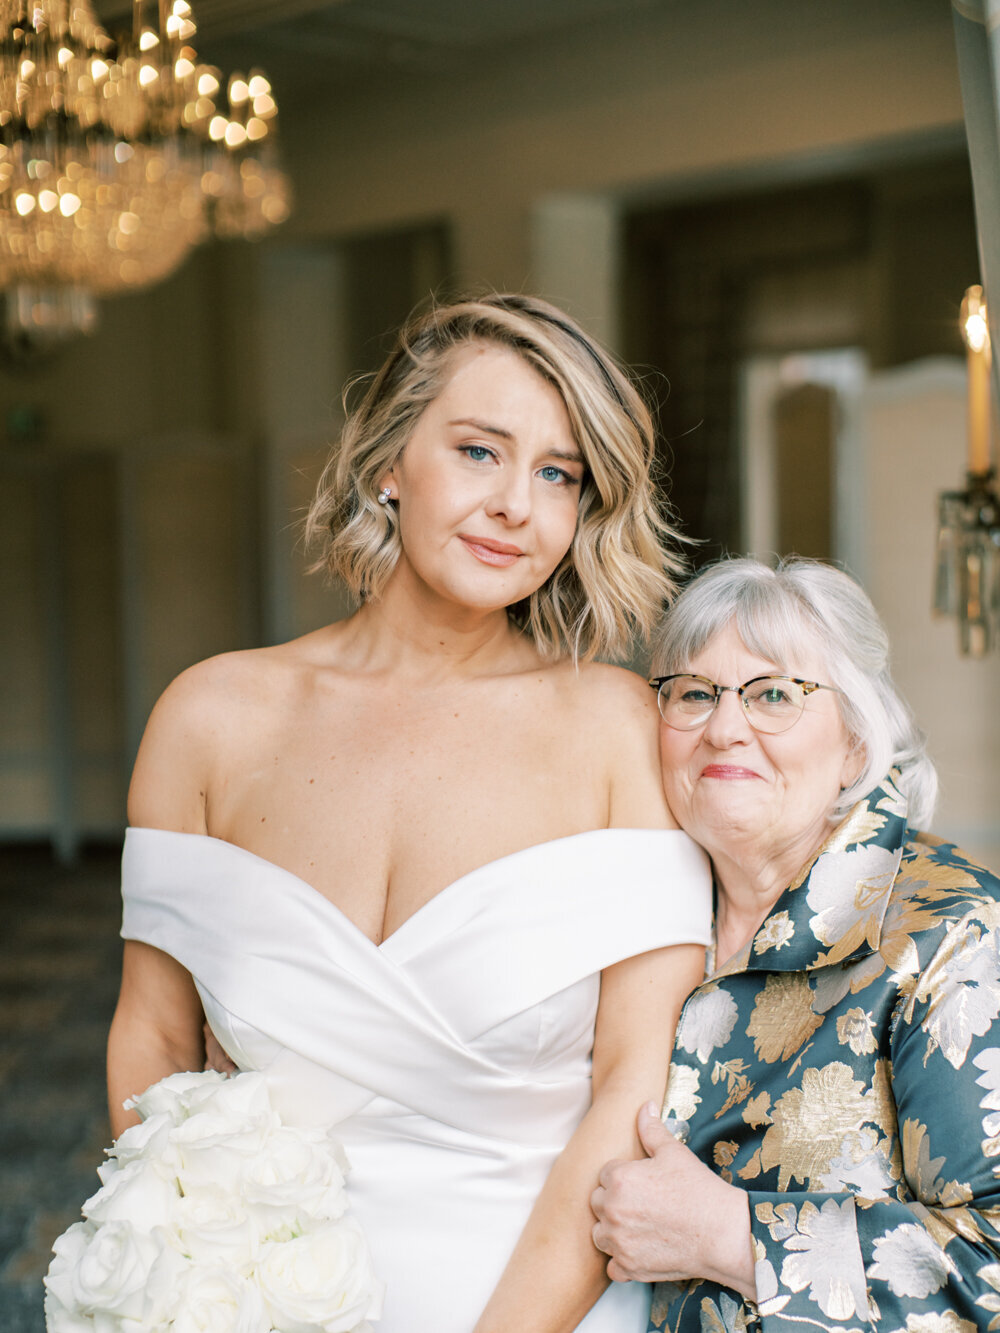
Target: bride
417, 866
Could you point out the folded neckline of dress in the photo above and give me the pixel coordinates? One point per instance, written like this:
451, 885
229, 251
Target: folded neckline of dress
448, 889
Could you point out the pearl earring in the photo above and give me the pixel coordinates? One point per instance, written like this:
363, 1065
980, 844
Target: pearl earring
384, 495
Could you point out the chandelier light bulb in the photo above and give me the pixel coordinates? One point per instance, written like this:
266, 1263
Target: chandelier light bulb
110, 161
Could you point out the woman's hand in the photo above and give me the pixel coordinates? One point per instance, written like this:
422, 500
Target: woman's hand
215, 1056
669, 1217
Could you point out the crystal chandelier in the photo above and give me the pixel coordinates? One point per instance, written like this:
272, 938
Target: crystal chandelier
117, 157
967, 578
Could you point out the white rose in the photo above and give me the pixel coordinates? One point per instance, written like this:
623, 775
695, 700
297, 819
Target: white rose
109, 1271
176, 1095
149, 1138
217, 1300
139, 1194
60, 1320
245, 1096
219, 1139
66, 1254
212, 1226
298, 1180
320, 1281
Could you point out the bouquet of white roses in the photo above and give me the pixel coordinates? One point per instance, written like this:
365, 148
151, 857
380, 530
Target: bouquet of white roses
213, 1217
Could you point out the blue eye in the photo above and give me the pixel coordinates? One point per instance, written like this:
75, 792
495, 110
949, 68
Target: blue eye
476, 453
697, 696
557, 476
775, 696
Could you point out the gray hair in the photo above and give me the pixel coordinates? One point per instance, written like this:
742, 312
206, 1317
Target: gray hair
805, 603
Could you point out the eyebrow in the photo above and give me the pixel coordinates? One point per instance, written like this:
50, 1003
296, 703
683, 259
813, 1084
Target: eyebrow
503, 434
483, 426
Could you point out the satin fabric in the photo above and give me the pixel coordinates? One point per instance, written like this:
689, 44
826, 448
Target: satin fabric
453, 1060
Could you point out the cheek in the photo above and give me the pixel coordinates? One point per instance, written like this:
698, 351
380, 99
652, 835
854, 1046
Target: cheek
560, 527
676, 749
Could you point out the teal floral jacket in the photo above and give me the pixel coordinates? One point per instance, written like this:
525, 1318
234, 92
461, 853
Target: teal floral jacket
844, 1069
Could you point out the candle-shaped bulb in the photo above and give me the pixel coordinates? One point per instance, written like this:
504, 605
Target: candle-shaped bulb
976, 332
975, 328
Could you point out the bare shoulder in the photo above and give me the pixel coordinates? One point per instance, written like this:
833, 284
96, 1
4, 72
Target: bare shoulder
619, 702
194, 727
623, 726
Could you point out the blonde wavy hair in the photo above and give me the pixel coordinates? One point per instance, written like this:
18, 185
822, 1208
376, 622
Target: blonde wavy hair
612, 583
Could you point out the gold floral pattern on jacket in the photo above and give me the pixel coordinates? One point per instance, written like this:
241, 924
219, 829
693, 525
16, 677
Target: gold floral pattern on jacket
844, 1069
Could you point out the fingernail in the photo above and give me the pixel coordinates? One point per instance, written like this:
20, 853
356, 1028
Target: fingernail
652, 1109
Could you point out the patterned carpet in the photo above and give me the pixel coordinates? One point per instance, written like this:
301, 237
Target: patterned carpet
59, 972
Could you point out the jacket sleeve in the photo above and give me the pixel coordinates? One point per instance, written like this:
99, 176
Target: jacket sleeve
931, 1263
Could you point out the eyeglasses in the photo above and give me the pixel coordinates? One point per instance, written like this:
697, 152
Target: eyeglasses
772, 704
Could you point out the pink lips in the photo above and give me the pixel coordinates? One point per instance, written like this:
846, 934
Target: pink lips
728, 772
492, 552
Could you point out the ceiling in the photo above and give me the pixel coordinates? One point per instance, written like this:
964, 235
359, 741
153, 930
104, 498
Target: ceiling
304, 44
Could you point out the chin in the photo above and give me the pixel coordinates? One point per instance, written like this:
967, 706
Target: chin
491, 594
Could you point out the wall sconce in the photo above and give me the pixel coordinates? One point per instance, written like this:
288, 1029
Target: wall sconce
967, 577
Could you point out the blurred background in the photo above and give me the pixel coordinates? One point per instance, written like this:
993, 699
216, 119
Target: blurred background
766, 208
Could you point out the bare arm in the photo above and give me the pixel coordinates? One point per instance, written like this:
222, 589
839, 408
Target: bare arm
156, 1029
157, 1025
555, 1273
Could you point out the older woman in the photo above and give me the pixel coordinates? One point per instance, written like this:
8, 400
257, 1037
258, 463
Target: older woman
836, 1077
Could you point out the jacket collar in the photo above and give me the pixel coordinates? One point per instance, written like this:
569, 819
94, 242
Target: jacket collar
834, 909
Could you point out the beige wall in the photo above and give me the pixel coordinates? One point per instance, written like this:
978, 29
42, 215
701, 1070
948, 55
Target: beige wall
913, 426
674, 99
677, 92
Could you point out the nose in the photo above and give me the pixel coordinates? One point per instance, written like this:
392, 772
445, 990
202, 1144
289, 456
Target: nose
728, 724
510, 498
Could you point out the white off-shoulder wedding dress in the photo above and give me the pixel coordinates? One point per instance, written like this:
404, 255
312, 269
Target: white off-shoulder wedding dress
452, 1060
